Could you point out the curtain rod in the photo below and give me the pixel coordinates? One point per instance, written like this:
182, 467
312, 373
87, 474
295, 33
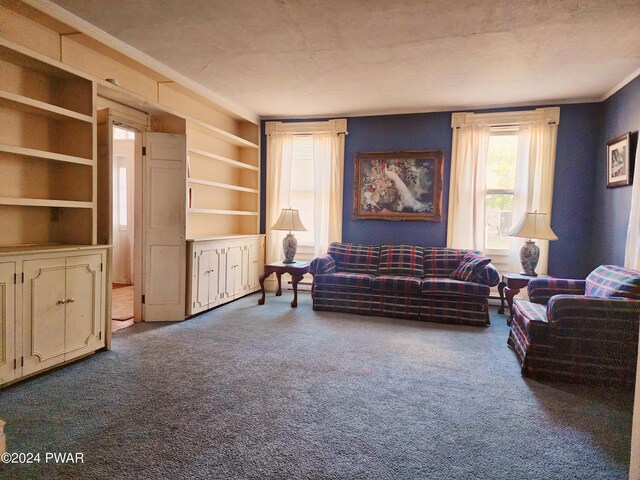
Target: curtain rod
514, 124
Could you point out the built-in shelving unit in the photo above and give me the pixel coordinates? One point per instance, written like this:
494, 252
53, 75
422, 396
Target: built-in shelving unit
47, 152
223, 180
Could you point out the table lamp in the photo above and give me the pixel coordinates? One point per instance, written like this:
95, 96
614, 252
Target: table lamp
533, 225
289, 220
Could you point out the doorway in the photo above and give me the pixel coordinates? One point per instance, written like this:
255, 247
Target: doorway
124, 238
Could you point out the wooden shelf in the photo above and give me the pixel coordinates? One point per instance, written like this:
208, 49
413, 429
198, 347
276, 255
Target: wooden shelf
44, 202
222, 185
226, 136
221, 212
220, 158
29, 105
32, 152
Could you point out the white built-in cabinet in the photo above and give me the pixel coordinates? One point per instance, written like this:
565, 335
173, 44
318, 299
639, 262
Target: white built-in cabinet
52, 307
222, 269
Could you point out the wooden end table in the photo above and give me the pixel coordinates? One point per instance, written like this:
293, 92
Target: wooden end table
510, 286
295, 269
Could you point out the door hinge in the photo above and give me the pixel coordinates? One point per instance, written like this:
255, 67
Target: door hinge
15, 363
143, 299
99, 335
101, 266
22, 277
15, 278
144, 151
22, 361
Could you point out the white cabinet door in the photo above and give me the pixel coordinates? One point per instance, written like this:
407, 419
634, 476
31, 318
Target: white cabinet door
200, 280
83, 322
253, 266
43, 313
216, 268
233, 280
8, 355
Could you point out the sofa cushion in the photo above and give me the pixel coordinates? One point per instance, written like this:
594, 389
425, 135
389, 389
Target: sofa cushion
451, 286
396, 283
608, 281
401, 260
344, 279
469, 266
355, 258
441, 262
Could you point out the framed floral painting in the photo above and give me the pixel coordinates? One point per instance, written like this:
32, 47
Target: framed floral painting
398, 185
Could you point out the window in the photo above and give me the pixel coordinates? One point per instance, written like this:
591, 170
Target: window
500, 187
302, 193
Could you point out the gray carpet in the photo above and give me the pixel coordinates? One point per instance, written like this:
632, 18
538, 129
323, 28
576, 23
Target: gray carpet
273, 392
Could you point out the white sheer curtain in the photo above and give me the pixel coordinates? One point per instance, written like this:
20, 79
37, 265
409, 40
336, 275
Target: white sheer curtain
279, 156
328, 156
465, 227
534, 183
632, 251
537, 135
328, 160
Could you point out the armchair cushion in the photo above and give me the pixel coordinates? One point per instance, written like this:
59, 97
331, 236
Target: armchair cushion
401, 260
449, 286
396, 283
531, 318
344, 280
469, 266
608, 281
323, 264
542, 289
355, 258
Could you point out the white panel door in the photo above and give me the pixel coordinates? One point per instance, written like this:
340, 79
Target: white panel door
216, 267
43, 315
164, 224
7, 322
83, 328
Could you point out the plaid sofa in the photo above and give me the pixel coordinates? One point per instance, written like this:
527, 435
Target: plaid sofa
580, 330
404, 281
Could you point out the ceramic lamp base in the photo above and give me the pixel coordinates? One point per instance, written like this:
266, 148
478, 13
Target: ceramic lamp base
290, 246
529, 255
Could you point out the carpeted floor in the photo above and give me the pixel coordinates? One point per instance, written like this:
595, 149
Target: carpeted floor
273, 392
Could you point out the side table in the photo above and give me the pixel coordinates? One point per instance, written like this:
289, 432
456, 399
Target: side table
510, 286
295, 269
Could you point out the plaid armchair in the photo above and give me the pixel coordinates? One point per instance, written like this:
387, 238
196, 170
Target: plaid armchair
580, 330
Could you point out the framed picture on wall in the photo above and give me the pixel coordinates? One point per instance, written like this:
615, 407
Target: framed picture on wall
398, 185
619, 161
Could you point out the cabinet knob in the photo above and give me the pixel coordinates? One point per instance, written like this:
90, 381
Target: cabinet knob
71, 300
61, 302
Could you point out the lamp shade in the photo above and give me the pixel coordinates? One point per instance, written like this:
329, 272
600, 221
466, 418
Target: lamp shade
289, 220
534, 225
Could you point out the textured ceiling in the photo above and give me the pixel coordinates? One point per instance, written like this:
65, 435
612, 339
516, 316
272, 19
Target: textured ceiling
281, 58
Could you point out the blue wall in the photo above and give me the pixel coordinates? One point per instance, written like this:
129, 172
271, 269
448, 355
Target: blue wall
578, 212
620, 114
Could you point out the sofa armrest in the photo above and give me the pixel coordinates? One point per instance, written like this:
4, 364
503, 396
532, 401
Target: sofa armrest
487, 275
323, 264
542, 289
581, 310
